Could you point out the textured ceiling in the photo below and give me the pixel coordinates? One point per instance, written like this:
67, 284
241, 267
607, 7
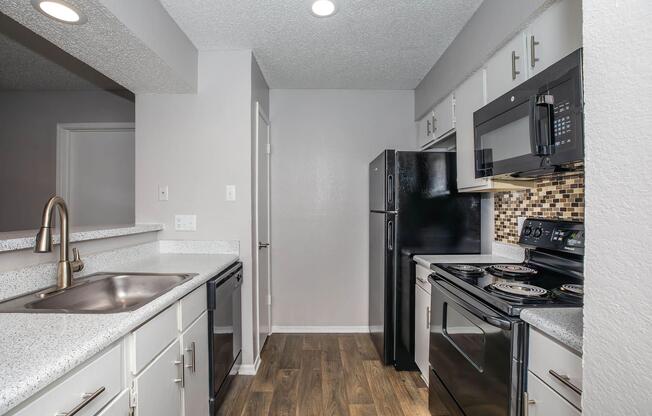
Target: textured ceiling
368, 44
29, 62
105, 44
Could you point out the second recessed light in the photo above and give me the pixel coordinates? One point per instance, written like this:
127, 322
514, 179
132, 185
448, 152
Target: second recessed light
323, 8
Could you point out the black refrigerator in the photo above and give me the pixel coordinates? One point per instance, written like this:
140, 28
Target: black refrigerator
414, 208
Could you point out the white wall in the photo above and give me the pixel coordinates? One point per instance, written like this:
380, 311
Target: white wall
618, 287
322, 143
197, 144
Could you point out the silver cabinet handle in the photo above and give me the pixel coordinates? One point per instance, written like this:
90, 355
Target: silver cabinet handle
527, 402
427, 127
565, 380
182, 378
514, 71
434, 124
88, 397
192, 350
533, 54
428, 317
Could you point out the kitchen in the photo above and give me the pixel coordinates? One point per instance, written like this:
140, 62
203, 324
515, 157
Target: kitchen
242, 183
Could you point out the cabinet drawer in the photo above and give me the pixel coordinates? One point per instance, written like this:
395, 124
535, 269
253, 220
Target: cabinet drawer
547, 356
105, 372
191, 306
422, 277
151, 338
118, 407
544, 401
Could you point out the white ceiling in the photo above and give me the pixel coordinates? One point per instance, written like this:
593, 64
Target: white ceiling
368, 44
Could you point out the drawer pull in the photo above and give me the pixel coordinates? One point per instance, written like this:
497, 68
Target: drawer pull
88, 397
193, 352
527, 402
182, 378
565, 380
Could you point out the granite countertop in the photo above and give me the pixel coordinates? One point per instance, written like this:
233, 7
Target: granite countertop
37, 349
428, 260
563, 324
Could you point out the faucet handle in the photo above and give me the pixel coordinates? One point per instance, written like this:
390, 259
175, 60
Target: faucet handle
77, 264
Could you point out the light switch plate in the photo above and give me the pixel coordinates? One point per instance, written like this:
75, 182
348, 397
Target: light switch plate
185, 222
230, 192
163, 193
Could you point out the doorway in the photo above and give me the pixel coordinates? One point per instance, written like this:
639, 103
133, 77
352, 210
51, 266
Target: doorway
263, 227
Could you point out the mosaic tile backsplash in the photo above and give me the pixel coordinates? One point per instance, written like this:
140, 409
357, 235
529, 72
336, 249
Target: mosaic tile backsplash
553, 197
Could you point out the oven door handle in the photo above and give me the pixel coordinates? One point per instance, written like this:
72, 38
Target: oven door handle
491, 319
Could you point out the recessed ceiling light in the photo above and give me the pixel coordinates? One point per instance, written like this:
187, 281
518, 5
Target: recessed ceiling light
323, 8
59, 10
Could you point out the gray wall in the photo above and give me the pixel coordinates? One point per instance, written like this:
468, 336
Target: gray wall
28, 134
495, 22
322, 143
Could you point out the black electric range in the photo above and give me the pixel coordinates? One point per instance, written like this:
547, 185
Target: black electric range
551, 275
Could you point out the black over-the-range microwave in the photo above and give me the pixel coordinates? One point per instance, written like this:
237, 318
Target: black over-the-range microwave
535, 129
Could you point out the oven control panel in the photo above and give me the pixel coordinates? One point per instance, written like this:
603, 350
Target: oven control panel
553, 234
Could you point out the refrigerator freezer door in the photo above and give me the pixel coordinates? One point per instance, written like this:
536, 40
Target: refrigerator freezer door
381, 228
381, 182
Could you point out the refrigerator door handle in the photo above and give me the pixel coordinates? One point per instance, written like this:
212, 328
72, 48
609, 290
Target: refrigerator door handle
390, 235
390, 188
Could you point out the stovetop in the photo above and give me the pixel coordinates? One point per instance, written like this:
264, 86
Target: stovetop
498, 285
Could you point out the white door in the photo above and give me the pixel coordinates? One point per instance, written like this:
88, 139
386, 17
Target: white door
96, 165
158, 387
263, 229
194, 342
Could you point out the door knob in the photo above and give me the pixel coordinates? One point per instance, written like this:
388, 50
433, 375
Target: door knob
262, 245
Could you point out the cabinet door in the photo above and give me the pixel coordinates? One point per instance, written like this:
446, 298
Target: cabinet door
506, 69
421, 330
544, 401
444, 117
469, 97
195, 349
425, 130
554, 34
158, 387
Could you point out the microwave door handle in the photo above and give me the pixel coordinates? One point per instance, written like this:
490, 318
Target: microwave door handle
542, 146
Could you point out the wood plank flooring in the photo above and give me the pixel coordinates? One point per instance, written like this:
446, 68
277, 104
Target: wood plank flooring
325, 375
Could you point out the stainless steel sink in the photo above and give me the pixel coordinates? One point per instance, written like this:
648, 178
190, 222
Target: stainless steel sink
98, 293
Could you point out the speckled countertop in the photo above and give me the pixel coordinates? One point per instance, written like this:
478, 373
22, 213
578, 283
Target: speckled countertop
37, 349
428, 260
563, 324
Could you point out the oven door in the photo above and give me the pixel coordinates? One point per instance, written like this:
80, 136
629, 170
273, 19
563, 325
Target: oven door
471, 353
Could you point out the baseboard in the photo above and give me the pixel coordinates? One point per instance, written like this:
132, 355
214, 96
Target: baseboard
249, 369
279, 329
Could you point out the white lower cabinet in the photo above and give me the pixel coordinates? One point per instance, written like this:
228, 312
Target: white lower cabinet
194, 342
118, 407
158, 387
95, 384
544, 401
422, 323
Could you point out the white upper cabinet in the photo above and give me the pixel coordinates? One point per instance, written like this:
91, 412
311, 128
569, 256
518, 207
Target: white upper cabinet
425, 130
554, 34
507, 68
469, 97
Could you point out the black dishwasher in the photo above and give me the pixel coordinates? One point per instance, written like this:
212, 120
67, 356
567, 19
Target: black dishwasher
224, 331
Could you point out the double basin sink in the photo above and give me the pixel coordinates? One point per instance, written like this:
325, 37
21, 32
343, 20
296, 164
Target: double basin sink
98, 293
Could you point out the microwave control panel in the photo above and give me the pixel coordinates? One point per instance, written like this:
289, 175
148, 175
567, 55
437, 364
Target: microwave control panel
563, 125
